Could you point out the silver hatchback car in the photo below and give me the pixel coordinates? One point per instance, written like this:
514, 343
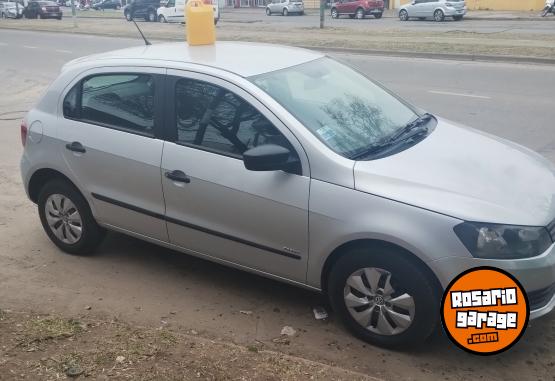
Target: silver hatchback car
291, 165
436, 9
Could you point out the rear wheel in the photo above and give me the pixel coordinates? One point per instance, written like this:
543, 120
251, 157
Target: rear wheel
118, 7
285, 12
67, 219
383, 297
268, 12
334, 13
4, 15
152, 16
378, 15
359, 14
162, 19
439, 16
403, 15
128, 16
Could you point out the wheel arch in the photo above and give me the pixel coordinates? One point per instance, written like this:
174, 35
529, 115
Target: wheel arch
374, 244
40, 177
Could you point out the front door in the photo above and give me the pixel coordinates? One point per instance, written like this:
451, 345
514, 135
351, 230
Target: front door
214, 205
108, 136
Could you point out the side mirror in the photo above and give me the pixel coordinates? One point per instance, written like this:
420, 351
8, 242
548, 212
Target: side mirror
268, 157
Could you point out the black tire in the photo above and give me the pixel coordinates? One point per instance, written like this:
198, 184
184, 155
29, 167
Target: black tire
59, 18
285, 12
407, 277
151, 16
128, 16
268, 12
91, 235
334, 13
359, 14
403, 15
162, 19
378, 15
439, 16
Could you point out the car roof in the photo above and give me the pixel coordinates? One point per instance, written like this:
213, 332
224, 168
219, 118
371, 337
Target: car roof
242, 58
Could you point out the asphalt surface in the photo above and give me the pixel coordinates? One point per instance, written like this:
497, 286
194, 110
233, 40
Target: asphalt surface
513, 101
136, 281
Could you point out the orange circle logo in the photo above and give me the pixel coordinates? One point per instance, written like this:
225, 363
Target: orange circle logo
485, 310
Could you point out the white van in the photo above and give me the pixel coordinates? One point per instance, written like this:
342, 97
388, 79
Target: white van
174, 11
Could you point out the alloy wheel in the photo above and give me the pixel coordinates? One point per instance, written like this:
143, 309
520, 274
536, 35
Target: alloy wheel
438, 15
359, 14
334, 13
374, 301
403, 15
63, 219
285, 12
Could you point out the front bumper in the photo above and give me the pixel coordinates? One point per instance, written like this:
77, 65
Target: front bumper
449, 11
537, 276
374, 11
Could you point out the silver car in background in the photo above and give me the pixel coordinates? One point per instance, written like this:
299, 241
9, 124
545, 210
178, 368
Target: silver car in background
11, 10
436, 9
285, 7
288, 164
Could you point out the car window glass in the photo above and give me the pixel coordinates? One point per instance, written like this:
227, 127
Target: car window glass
121, 101
211, 117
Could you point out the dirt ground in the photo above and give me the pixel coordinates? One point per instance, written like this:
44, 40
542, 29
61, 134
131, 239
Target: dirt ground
503, 43
85, 303
50, 348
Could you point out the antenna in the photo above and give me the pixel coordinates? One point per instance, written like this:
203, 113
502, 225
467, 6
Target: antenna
147, 42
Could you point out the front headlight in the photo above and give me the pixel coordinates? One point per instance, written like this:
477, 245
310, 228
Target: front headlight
493, 241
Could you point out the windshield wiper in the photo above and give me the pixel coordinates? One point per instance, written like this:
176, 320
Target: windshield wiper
411, 130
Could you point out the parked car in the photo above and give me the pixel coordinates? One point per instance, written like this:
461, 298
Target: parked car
174, 11
288, 164
357, 9
11, 10
106, 4
436, 9
285, 7
42, 10
145, 9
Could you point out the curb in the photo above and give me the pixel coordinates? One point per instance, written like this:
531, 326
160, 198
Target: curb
436, 56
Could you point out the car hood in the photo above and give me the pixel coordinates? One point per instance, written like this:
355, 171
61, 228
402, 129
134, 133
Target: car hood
467, 174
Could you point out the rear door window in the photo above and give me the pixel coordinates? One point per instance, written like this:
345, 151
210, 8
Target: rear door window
119, 101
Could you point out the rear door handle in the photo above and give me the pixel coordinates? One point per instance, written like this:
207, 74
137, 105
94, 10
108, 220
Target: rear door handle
178, 176
76, 147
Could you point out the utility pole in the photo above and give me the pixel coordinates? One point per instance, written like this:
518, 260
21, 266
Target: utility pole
73, 15
322, 11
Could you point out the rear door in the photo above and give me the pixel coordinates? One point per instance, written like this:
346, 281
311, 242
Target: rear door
219, 208
109, 134
179, 11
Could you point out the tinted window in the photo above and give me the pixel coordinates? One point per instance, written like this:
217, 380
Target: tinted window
216, 119
121, 101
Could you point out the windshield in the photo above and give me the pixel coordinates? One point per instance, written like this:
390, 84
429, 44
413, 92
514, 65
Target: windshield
343, 108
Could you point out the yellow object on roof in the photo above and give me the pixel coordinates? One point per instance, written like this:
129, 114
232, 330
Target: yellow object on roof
200, 23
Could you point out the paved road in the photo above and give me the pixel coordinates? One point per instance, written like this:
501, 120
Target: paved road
149, 285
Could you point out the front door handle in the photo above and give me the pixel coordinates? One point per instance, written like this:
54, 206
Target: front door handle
178, 176
76, 147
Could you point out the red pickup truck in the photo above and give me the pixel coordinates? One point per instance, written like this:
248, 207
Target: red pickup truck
357, 9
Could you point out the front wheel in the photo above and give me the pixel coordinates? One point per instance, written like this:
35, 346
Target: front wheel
162, 19
403, 15
285, 12
128, 16
67, 219
439, 16
359, 15
383, 297
334, 13
378, 15
151, 16
268, 12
